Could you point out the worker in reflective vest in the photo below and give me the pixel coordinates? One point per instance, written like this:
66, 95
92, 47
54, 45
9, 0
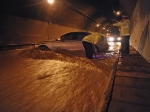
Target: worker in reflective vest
124, 26
92, 42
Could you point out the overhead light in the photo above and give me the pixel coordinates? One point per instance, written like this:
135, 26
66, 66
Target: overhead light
76, 10
97, 25
51, 1
118, 13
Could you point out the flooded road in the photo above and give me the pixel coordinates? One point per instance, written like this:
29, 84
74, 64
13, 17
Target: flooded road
60, 81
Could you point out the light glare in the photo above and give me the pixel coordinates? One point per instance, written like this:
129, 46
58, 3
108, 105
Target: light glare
118, 13
111, 48
111, 39
119, 38
111, 43
118, 43
97, 25
51, 1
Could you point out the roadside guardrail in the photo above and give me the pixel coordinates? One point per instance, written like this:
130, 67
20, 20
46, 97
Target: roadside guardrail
15, 46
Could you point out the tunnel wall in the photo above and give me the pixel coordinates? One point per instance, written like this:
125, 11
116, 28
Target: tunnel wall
14, 30
140, 28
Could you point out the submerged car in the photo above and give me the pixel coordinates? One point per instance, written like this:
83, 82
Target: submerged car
68, 41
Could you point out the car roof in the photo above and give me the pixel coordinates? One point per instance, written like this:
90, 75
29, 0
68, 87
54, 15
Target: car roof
78, 32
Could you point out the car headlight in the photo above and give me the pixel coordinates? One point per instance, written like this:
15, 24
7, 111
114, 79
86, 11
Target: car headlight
111, 39
119, 38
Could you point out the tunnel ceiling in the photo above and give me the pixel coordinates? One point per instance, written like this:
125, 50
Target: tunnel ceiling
71, 13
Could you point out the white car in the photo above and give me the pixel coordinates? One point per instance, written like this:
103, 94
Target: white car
68, 41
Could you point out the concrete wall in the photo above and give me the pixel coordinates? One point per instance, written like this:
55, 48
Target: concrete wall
15, 30
140, 28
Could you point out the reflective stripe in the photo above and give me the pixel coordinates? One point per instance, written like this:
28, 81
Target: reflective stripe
127, 34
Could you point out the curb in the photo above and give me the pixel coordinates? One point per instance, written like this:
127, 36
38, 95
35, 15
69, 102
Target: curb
108, 88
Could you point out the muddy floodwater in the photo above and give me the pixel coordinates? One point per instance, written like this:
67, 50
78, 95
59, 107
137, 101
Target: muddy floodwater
53, 81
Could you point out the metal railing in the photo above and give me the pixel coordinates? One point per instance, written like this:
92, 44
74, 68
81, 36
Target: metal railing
15, 46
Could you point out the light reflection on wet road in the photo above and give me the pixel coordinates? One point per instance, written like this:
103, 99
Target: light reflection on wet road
114, 46
35, 81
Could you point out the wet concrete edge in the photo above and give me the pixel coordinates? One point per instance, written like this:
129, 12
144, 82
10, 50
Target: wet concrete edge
108, 88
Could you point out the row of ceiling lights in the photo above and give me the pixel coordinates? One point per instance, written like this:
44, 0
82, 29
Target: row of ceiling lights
87, 16
79, 11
